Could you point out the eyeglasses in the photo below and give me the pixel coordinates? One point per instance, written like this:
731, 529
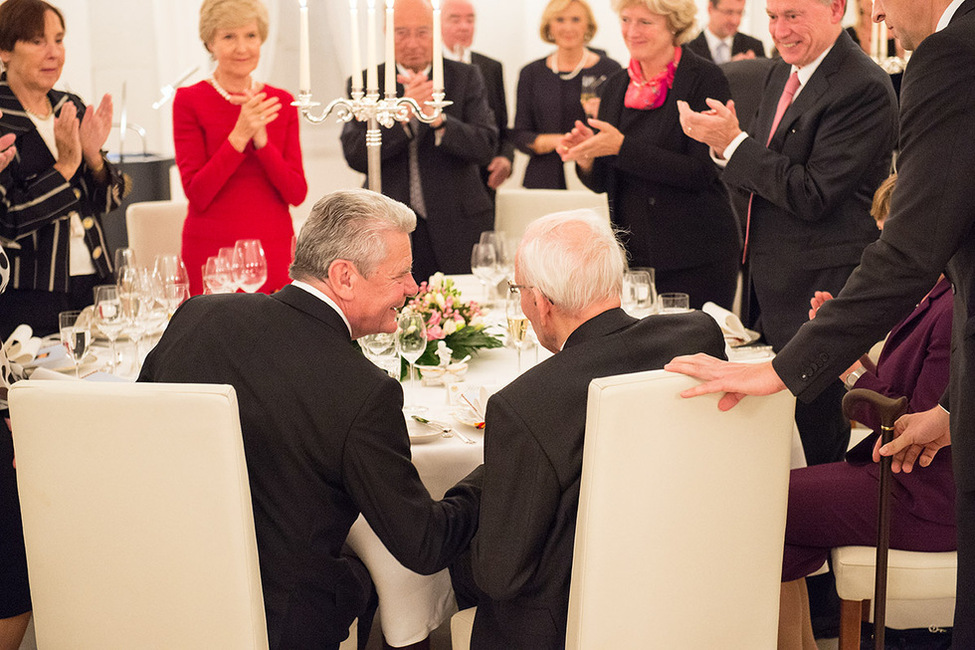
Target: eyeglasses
516, 288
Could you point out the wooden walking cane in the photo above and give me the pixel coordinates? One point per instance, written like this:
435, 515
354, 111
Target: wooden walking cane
856, 404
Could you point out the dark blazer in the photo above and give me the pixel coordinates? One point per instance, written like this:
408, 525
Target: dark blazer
740, 44
663, 187
325, 439
522, 553
929, 229
549, 104
457, 202
36, 202
814, 182
493, 73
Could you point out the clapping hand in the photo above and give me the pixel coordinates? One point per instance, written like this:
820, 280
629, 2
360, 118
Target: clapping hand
582, 144
715, 127
93, 131
257, 110
420, 89
68, 140
7, 149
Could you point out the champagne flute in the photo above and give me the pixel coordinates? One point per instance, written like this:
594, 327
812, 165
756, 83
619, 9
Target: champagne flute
250, 264
124, 258
484, 264
517, 321
75, 329
109, 318
411, 338
131, 295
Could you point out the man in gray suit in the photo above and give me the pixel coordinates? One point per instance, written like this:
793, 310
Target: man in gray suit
809, 169
929, 229
569, 271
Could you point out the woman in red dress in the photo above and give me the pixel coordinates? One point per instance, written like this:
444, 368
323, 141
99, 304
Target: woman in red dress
237, 147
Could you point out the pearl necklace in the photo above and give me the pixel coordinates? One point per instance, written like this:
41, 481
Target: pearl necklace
222, 91
566, 76
50, 110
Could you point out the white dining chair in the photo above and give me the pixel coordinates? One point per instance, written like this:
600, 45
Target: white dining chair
516, 208
154, 228
681, 519
137, 516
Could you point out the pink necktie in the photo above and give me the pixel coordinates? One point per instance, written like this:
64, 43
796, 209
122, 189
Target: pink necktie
791, 86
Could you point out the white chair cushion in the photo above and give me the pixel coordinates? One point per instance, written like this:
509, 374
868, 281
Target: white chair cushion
910, 575
461, 628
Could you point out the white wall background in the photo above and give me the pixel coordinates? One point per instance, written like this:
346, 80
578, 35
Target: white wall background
146, 44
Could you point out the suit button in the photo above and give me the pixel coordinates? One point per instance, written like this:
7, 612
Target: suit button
96, 253
88, 223
77, 193
804, 376
652, 201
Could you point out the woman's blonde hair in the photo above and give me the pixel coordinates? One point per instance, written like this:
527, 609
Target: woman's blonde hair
558, 6
880, 207
680, 14
230, 14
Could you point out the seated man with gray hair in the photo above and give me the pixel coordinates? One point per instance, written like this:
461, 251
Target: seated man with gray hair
569, 271
323, 428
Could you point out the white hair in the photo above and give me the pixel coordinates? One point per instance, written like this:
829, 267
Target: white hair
574, 258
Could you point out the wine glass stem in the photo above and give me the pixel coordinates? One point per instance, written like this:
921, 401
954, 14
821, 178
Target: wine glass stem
113, 361
518, 347
413, 383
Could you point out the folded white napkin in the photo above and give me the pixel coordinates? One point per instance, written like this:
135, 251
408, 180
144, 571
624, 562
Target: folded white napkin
735, 333
21, 346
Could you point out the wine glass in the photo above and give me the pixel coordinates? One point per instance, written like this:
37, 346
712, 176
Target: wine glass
173, 280
75, 329
381, 349
250, 264
124, 258
109, 318
226, 254
132, 296
218, 275
517, 321
484, 264
411, 338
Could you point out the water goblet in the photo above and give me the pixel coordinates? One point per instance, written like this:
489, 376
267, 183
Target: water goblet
411, 339
250, 265
174, 281
381, 350
518, 323
226, 254
75, 330
218, 275
484, 265
109, 318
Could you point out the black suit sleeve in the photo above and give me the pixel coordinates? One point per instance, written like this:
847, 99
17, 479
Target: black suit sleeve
469, 132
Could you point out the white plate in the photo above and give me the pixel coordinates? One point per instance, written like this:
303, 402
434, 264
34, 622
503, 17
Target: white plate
426, 436
466, 415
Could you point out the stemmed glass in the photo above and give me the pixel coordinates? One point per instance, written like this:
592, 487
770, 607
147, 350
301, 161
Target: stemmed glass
75, 328
109, 318
174, 281
227, 255
250, 264
381, 348
124, 258
505, 251
411, 338
518, 324
134, 294
484, 264
218, 275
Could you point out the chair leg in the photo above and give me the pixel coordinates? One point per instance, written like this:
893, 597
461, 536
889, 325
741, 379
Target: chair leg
851, 613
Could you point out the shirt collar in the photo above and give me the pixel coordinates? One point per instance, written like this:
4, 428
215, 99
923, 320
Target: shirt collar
713, 40
464, 56
321, 296
806, 72
948, 14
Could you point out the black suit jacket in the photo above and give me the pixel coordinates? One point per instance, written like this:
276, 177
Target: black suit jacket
493, 73
663, 187
325, 439
533, 442
36, 202
929, 229
814, 182
740, 44
457, 202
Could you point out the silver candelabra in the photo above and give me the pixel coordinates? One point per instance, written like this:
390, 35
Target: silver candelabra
369, 108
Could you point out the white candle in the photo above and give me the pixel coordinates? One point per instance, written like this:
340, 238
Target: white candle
356, 75
372, 74
882, 45
390, 51
304, 68
874, 39
437, 49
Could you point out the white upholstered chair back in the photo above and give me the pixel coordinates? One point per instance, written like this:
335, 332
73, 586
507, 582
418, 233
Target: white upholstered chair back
516, 208
681, 518
155, 227
137, 516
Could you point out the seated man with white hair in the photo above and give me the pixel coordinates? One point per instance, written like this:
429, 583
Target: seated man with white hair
569, 271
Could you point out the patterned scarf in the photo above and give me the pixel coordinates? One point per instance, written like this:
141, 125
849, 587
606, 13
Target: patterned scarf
645, 95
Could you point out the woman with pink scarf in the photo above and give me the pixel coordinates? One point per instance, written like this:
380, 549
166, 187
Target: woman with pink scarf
664, 189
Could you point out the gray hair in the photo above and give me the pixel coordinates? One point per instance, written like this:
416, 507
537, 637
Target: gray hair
574, 258
347, 225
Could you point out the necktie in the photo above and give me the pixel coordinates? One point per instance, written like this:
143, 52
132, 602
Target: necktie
416, 187
723, 54
791, 86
